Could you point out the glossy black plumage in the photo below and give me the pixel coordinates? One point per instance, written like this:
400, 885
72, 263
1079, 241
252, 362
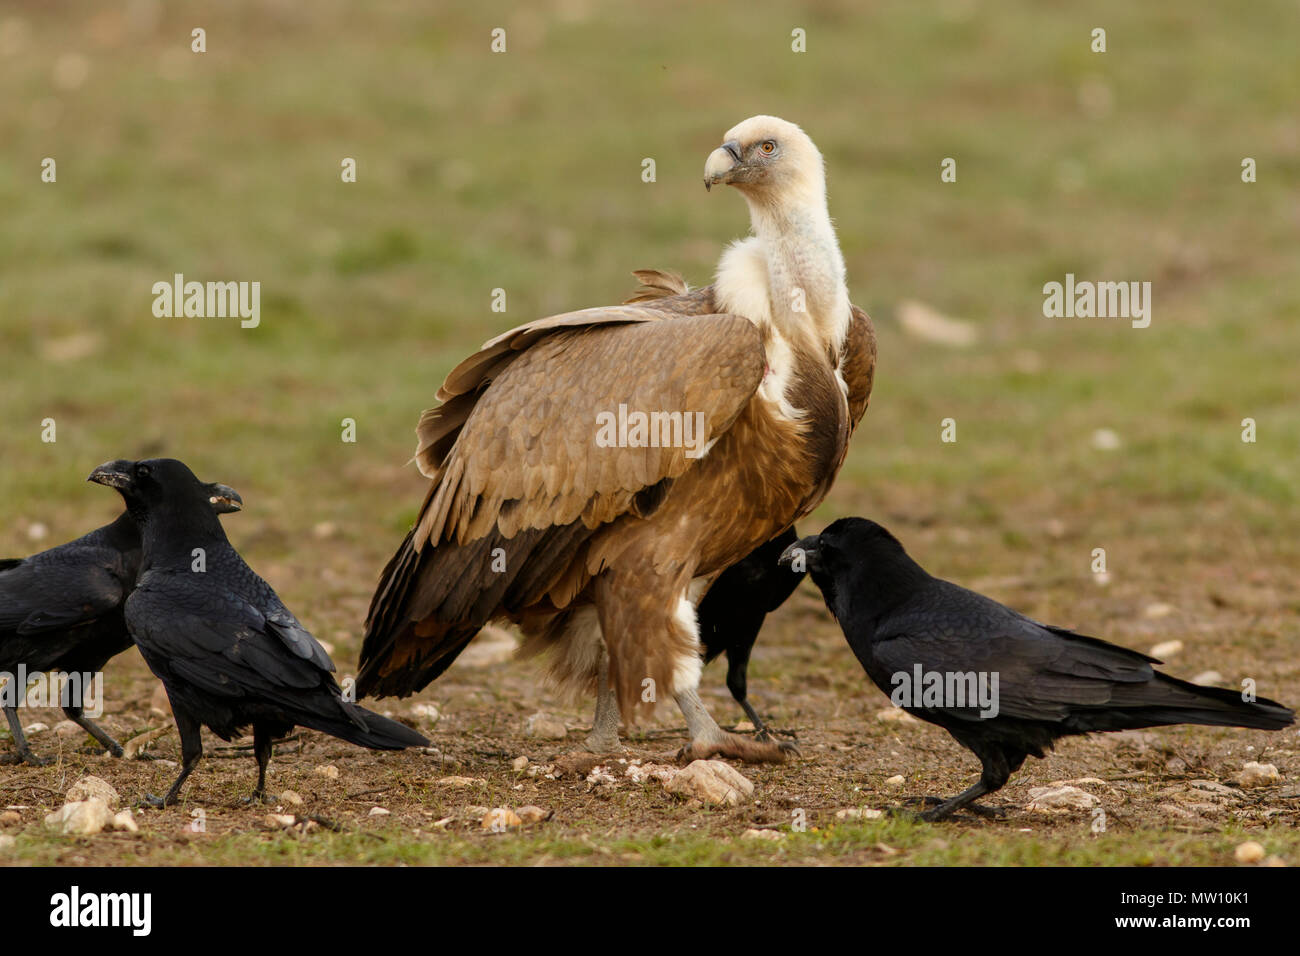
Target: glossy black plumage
62, 610
733, 611
228, 651
1052, 682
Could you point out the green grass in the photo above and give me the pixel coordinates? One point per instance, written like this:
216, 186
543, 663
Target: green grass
885, 842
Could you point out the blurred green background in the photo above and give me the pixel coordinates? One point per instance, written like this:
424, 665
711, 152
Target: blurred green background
522, 171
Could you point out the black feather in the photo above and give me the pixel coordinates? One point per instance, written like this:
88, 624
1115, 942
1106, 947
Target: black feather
733, 611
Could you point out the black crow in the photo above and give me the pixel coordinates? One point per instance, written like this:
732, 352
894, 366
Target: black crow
61, 611
732, 613
229, 653
938, 650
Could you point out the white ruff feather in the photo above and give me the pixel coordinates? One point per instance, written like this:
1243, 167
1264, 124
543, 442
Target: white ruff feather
686, 672
787, 278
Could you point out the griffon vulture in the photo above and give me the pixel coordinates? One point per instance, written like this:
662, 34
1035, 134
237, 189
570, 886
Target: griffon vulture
552, 505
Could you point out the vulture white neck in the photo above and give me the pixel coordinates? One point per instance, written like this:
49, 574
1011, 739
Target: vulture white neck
789, 276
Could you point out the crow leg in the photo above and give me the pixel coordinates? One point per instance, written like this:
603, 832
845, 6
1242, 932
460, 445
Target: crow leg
979, 810
762, 733
948, 807
191, 754
709, 740
89, 726
603, 738
24, 754
738, 684
997, 769
262, 746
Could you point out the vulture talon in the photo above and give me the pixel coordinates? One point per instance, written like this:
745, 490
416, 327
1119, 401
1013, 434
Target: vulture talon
736, 747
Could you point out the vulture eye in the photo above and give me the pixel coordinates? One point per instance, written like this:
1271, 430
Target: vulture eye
768, 147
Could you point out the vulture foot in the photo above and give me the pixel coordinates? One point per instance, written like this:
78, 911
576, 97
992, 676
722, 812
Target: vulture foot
737, 747
710, 740
598, 743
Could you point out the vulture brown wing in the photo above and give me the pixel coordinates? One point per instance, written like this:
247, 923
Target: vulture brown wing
523, 444
858, 365
470, 373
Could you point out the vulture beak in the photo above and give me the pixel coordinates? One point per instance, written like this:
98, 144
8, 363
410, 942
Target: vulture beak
805, 549
114, 474
722, 164
224, 499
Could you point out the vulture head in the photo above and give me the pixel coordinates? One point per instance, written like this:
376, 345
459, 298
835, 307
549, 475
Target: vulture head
767, 158
788, 275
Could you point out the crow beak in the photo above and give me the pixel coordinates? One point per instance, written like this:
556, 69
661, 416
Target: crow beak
721, 164
224, 499
114, 474
803, 551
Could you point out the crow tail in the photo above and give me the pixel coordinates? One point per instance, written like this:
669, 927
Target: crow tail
1167, 700
368, 729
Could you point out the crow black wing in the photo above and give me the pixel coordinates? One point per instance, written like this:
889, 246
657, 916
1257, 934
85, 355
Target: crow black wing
38, 596
1042, 673
213, 638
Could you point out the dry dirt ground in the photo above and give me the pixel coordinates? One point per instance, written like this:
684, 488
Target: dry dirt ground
1168, 795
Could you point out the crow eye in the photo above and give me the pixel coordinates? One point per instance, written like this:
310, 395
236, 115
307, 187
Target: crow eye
142, 471
768, 147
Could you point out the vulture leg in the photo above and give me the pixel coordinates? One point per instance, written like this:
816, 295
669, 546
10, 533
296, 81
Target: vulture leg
652, 638
709, 740
603, 738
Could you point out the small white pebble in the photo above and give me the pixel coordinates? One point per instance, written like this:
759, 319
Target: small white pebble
1249, 852
1256, 774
